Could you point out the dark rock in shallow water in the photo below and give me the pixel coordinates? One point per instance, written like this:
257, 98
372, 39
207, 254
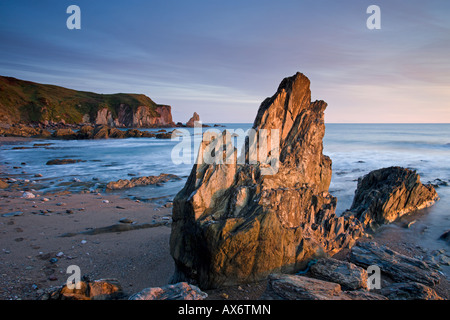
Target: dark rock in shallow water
445, 236
164, 135
384, 195
438, 183
62, 161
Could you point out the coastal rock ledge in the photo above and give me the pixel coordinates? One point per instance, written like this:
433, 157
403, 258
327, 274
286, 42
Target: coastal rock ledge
232, 224
384, 195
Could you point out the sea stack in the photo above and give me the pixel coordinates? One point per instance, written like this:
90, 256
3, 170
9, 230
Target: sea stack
233, 224
191, 122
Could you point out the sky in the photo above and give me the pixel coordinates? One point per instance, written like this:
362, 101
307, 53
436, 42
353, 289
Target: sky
221, 59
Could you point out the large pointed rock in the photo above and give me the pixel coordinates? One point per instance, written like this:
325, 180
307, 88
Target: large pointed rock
239, 221
192, 120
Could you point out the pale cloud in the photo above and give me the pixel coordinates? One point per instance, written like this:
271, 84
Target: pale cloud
395, 104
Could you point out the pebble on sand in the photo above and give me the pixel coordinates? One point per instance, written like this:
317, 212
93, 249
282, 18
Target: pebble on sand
28, 195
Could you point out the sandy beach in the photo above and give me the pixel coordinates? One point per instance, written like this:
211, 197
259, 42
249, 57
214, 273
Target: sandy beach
69, 229
35, 255
109, 236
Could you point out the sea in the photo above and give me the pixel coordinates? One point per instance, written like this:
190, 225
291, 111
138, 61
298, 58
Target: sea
355, 150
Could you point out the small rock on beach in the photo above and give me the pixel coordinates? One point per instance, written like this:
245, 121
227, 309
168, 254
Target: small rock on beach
28, 195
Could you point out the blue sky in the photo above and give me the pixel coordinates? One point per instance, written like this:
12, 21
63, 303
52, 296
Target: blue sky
223, 58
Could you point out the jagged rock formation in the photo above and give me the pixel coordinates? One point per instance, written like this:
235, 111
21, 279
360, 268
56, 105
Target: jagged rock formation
399, 267
103, 289
409, 291
140, 181
141, 117
401, 278
178, 291
346, 274
384, 195
295, 287
234, 224
24, 131
192, 120
85, 132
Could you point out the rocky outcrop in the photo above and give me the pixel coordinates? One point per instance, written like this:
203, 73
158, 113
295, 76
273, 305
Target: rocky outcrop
141, 117
103, 289
104, 117
178, 291
21, 130
63, 161
85, 132
65, 133
397, 266
384, 195
409, 291
346, 274
192, 120
111, 289
145, 117
31, 103
445, 236
141, 181
295, 287
401, 278
235, 223
165, 116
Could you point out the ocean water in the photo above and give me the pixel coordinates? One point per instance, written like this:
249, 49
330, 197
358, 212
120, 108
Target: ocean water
355, 150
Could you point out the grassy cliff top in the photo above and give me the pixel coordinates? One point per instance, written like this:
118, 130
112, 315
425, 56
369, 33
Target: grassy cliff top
26, 102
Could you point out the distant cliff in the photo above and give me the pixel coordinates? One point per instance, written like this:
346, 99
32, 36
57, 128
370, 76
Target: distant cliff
29, 102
